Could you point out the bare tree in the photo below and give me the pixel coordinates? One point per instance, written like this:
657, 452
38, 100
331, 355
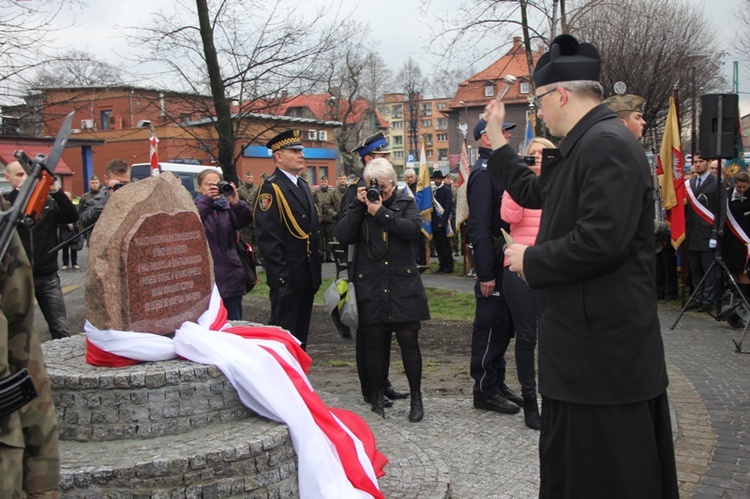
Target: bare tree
653, 46
249, 60
376, 80
27, 34
410, 81
76, 68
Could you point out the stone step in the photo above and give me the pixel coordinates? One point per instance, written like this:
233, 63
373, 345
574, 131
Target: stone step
250, 458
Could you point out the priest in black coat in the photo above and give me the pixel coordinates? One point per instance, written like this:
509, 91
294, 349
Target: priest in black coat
606, 428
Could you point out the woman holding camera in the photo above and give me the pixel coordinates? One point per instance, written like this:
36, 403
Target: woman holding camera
223, 214
385, 224
524, 226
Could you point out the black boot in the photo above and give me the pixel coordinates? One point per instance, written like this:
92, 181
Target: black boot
417, 409
531, 413
378, 403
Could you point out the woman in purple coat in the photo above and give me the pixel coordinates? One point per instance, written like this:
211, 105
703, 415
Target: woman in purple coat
222, 216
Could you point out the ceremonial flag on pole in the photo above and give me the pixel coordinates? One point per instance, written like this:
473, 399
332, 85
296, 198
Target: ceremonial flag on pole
737, 163
672, 179
462, 203
424, 194
529, 130
154, 153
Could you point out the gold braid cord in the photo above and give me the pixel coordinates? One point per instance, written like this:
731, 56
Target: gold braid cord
288, 219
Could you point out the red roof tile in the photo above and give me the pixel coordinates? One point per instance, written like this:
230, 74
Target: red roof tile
32, 149
317, 104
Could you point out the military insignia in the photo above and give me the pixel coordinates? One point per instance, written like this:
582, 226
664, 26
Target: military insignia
265, 201
296, 133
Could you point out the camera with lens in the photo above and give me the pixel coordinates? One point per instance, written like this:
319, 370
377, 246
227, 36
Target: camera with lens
529, 160
374, 191
118, 185
225, 188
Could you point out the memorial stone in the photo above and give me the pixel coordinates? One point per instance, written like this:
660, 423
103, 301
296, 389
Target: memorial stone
149, 265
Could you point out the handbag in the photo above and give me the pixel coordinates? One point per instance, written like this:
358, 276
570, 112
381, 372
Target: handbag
247, 257
341, 303
78, 243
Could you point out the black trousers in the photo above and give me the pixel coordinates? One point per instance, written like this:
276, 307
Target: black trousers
443, 248
666, 273
520, 298
292, 312
489, 341
614, 451
360, 354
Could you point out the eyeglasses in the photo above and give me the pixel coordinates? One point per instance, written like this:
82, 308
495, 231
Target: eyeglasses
538, 98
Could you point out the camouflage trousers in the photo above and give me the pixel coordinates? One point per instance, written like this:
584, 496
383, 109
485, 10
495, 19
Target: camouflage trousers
327, 236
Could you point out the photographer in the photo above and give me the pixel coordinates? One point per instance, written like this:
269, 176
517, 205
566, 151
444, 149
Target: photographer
384, 224
118, 174
223, 214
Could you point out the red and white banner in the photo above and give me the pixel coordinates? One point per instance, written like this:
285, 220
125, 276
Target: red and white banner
154, 153
699, 208
739, 232
265, 364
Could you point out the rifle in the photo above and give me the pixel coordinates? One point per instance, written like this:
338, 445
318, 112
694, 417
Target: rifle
33, 194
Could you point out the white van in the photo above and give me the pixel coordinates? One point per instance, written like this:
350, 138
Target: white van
188, 174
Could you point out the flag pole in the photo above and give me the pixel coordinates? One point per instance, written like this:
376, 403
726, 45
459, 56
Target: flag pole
681, 254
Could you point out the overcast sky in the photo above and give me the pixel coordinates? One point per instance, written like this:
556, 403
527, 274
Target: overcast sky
399, 30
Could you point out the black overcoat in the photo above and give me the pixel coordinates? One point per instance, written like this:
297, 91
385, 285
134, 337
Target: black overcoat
389, 286
593, 263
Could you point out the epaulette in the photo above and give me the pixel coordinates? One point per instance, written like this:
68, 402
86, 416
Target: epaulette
271, 178
354, 181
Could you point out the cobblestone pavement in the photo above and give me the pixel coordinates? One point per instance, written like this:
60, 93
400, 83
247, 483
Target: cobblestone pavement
463, 453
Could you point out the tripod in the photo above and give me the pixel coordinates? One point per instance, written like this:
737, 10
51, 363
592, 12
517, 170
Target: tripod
724, 273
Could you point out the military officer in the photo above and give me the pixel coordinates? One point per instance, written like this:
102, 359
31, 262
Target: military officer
287, 227
248, 192
328, 211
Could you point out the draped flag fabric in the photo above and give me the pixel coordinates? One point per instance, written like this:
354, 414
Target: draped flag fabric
154, 153
424, 194
672, 179
462, 203
265, 364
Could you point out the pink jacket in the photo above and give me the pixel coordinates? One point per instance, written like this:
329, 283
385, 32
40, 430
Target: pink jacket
524, 223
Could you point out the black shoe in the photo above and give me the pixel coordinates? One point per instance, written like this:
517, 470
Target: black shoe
417, 409
386, 401
392, 394
496, 403
511, 396
531, 413
378, 405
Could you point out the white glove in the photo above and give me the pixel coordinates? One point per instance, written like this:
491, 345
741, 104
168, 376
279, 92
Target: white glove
712, 243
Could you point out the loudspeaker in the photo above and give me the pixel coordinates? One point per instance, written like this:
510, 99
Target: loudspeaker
718, 132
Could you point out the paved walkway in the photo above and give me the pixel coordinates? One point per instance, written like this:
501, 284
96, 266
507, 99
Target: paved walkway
463, 453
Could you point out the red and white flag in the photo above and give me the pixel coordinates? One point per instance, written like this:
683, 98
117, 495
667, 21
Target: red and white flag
462, 204
154, 153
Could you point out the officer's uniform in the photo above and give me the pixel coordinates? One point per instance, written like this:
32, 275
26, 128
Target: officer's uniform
492, 320
287, 227
249, 193
29, 461
328, 212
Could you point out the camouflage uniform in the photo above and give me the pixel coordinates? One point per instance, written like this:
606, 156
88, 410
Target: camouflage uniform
29, 461
328, 212
248, 193
338, 195
81, 204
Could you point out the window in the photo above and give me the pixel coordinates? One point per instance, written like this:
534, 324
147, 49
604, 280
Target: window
441, 124
106, 120
397, 125
397, 111
427, 123
384, 110
398, 140
185, 117
524, 87
428, 139
426, 109
398, 154
322, 171
442, 136
489, 90
442, 154
430, 153
441, 105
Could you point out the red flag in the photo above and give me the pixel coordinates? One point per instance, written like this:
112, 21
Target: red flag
673, 178
154, 153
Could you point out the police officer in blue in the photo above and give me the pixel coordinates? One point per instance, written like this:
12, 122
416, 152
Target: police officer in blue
286, 223
375, 146
493, 326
